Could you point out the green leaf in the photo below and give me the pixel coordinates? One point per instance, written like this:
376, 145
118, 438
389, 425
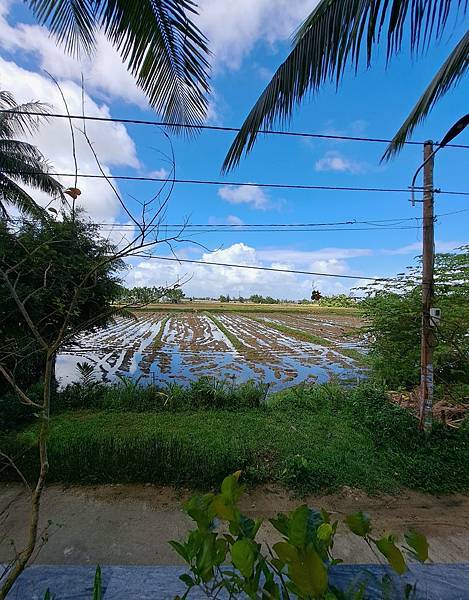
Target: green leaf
180, 549
324, 533
281, 523
298, 526
187, 579
199, 508
286, 552
243, 555
359, 523
309, 574
97, 586
207, 557
392, 553
419, 544
230, 488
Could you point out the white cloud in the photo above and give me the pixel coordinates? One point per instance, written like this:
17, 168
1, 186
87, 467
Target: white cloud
159, 173
335, 161
210, 280
234, 220
104, 72
302, 257
251, 195
110, 140
416, 248
234, 27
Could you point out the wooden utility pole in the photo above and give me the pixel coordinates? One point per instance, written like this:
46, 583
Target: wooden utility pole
428, 255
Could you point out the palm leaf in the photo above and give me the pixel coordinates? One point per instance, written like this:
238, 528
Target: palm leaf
161, 46
454, 67
11, 193
330, 40
17, 120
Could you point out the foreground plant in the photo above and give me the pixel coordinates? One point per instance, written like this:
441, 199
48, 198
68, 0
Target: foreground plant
223, 554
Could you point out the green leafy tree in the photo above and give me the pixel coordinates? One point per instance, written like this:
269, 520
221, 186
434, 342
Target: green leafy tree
48, 262
159, 43
393, 312
22, 163
175, 295
316, 295
335, 36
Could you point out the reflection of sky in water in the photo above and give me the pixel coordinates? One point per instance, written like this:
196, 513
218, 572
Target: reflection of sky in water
187, 366
127, 348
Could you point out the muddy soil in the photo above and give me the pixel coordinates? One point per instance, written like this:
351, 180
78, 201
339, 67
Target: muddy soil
131, 524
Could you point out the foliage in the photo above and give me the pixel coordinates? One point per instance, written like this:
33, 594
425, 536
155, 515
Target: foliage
258, 299
141, 295
340, 300
22, 164
310, 439
335, 36
316, 295
393, 312
174, 295
62, 270
222, 552
130, 396
158, 42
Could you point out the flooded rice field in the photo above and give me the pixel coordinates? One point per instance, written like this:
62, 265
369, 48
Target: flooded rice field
159, 347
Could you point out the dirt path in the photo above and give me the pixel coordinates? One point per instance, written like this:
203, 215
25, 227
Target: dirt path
131, 525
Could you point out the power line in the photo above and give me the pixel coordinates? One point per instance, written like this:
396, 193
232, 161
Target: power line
218, 264
188, 229
222, 128
233, 183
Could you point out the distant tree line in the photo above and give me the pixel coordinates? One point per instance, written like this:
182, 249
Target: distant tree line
151, 295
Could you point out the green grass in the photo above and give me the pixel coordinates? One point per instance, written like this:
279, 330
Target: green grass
306, 336
237, 343
309, 439
157, 342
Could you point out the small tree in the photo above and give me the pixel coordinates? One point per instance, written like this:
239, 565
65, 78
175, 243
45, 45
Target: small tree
175, 295
316, 295
393, 312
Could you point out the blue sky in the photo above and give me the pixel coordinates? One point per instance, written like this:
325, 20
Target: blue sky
249, 39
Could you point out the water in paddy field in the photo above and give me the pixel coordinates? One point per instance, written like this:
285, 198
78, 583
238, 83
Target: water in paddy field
159, 348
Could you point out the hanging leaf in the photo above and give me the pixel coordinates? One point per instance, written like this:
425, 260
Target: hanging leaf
359, 523
418, 544
243, 555
394, 556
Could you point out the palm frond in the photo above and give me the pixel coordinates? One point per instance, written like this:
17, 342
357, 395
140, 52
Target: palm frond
72, 22
22, 162
330, 40
17, 120
12, 194
160, 44
454, 67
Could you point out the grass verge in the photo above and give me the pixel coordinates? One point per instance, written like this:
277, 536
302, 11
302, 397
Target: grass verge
309, 439
157, 342
236, 342
306, 336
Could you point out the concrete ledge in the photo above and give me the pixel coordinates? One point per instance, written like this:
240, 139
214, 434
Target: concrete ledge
434, 582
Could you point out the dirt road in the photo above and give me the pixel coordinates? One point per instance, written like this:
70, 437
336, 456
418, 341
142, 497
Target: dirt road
131, 525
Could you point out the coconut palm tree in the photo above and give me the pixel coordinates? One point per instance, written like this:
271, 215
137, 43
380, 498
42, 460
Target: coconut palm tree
22, 163
335, 36
161, 46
